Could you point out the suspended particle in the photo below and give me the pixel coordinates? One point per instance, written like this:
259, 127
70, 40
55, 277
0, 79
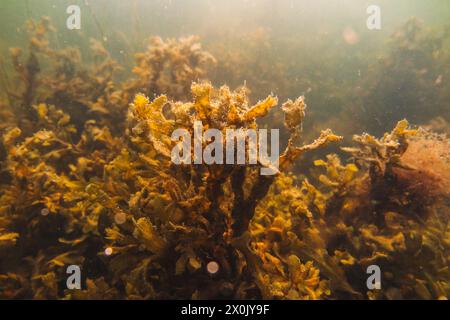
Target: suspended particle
350, 36
45, 212
108, 251
212, 267
120, 217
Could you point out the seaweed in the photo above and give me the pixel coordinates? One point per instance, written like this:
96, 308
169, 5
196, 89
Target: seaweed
98, 189
125, 195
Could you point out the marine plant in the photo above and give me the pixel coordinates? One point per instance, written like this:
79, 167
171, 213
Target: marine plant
98, 189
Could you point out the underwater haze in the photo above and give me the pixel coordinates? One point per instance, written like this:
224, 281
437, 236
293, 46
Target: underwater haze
242, 149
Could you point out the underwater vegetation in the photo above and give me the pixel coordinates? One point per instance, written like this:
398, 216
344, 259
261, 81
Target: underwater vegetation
409, 77
407, 80
86, 178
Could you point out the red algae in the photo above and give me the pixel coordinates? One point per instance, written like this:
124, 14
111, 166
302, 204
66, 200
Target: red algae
429, 154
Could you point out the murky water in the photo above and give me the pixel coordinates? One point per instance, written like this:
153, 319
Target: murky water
356, 202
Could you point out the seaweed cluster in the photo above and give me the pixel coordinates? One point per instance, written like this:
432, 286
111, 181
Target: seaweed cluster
93, 88
378, 209
87, 179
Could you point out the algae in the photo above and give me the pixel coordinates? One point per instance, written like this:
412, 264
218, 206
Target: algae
87, 179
